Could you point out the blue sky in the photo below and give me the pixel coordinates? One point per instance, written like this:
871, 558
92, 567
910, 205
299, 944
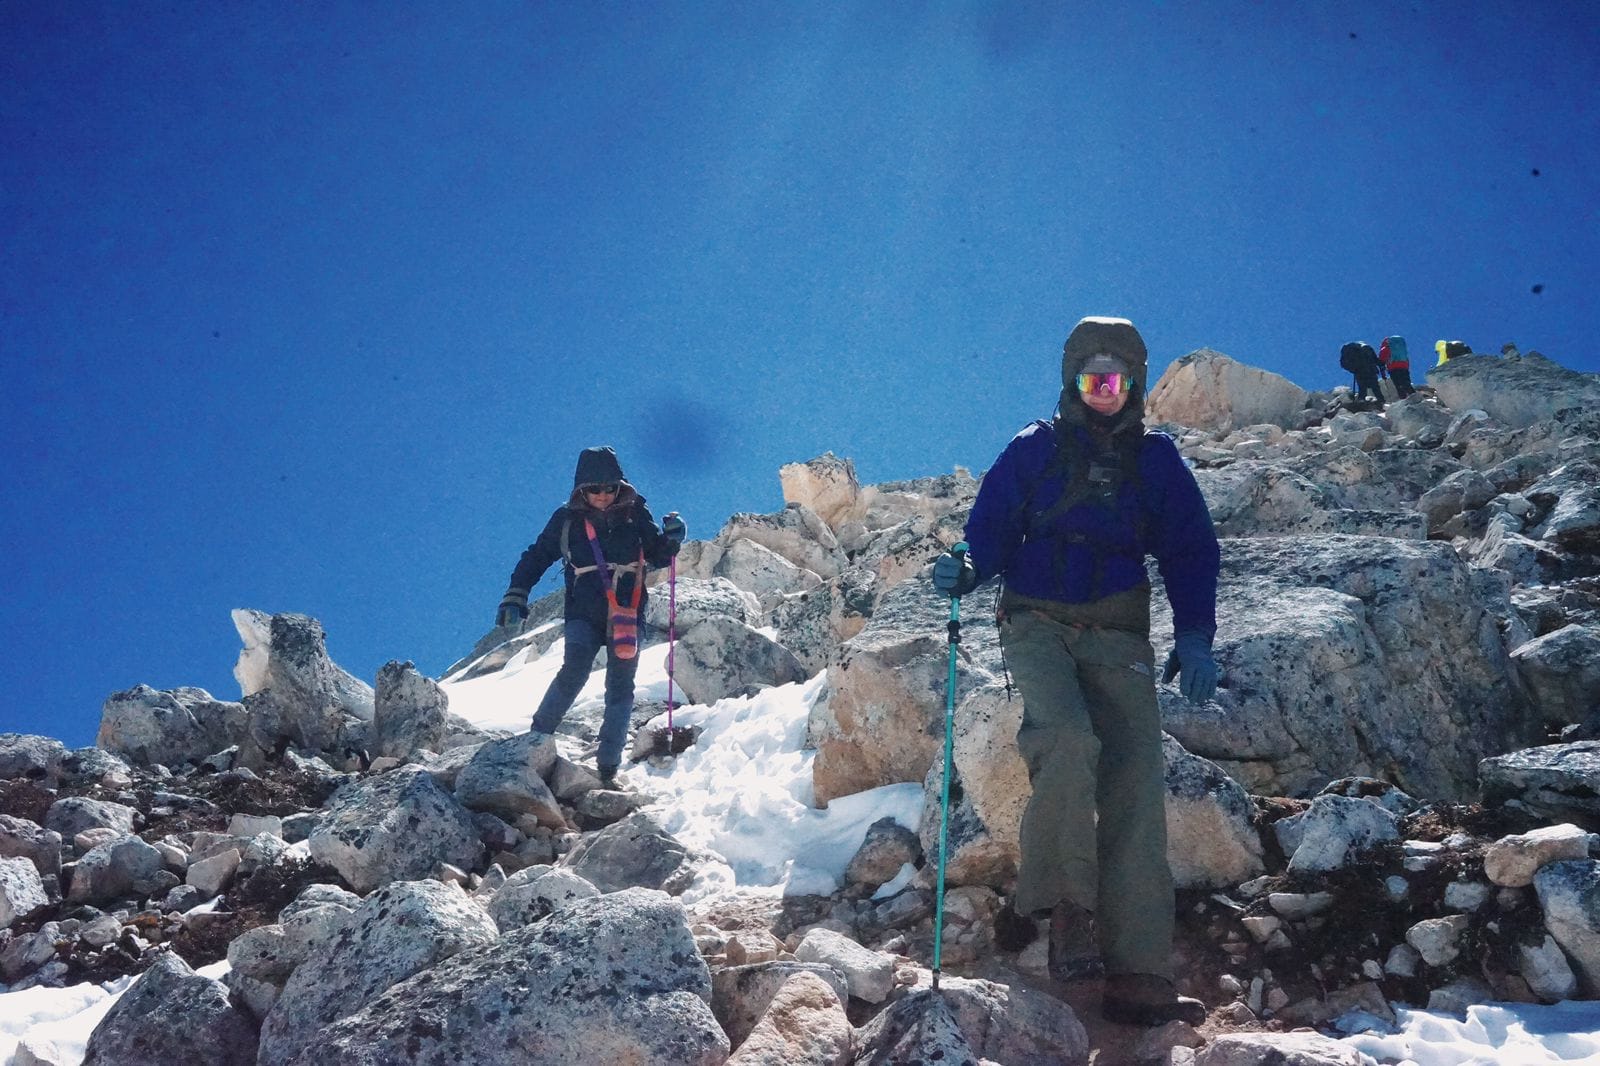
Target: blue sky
310, 307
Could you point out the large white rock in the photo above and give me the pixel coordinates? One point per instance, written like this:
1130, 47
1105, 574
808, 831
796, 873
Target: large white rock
1365, 656
172, 1015
826, 485
1569, 894
1512, 860
1515, 392
169, 727
21, 890
400, 930
613, 979
1336, 829
868, 974
395, 827
1207, 390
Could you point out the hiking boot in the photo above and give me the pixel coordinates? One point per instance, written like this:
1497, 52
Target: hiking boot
1147, 999
1073, 955
1013, 931
608, 776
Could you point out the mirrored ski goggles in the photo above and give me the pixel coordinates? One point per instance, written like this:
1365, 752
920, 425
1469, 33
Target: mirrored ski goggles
1103, 384
607, 488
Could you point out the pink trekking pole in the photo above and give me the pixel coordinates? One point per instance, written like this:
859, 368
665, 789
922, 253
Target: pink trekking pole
672, 632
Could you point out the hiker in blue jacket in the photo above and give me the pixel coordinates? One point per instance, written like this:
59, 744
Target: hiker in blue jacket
1066, 517
606, 539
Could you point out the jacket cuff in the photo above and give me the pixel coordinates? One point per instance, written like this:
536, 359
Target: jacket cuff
515, 597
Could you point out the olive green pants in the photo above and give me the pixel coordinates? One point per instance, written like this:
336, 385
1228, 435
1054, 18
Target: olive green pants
1091, 737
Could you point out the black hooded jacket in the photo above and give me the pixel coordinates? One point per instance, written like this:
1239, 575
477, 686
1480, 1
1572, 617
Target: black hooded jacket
623, 530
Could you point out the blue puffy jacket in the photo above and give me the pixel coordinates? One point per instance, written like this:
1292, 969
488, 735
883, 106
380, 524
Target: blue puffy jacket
1096, 547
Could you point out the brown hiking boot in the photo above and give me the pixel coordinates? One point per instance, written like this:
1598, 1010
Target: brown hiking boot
1073, 955
1147, 999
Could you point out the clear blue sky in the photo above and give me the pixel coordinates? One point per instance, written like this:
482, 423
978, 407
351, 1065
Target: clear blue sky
310, 307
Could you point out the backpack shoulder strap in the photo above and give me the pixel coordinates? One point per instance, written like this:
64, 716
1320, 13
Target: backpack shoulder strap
566, 551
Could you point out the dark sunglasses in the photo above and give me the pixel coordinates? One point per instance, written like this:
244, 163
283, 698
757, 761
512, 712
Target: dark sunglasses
609, 488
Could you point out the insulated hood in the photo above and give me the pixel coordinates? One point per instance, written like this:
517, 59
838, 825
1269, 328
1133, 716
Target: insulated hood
596, 466
1117, 338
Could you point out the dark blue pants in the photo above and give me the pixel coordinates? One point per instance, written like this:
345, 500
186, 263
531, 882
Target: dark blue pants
583, 640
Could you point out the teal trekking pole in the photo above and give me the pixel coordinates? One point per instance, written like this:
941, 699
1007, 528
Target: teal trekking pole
953, 628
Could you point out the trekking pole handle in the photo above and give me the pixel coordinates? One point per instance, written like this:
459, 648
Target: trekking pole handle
960, 552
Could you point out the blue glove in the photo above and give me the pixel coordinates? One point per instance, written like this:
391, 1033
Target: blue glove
953, 573
1191, 656
513, 609
673, 529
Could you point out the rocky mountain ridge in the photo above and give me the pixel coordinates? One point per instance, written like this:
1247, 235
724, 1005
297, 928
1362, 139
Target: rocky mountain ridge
1391, 799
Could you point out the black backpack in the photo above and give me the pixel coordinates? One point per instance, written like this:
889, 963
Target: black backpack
1350, 357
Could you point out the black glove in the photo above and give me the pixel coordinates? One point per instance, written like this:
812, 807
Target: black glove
953, 573
513, 608
673, 528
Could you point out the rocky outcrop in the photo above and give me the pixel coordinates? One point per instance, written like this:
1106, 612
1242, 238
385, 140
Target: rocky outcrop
1355, 655
1515, 392
410, 712
171, 1015
615, 978
173, 727
1409, 596
403, 928
882, 720
395, 827
1207, 390
293, 692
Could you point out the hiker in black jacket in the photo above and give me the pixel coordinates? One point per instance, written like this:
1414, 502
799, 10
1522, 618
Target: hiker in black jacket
606, 539
1361, 360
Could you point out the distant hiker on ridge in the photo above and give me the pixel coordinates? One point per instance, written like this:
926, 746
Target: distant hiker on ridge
1362, 362
605, 537
1392, 357
1066, 517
